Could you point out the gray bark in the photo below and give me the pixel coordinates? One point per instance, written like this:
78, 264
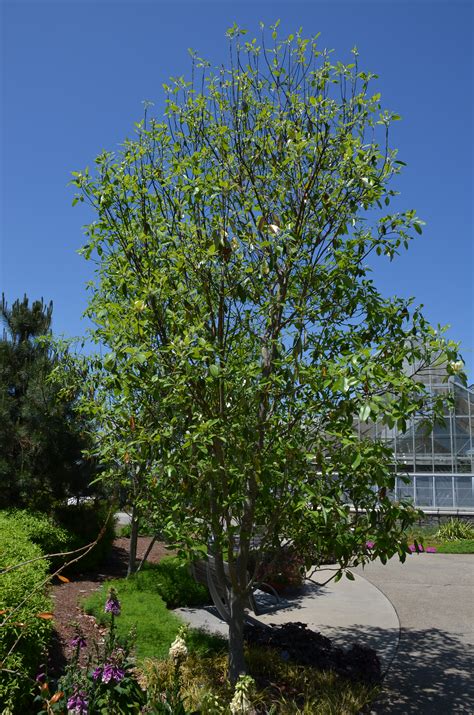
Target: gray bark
132, 556
236, 636
147, 552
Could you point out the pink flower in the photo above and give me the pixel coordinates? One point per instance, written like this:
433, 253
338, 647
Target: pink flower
370, 544
430, 550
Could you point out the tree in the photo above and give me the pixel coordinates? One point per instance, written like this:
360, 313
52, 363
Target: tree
40, 436
235, 298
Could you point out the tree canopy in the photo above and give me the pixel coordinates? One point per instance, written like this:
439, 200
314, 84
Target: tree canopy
245, 332
40, 435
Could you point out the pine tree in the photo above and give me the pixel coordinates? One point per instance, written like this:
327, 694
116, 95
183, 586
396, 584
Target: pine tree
40, 440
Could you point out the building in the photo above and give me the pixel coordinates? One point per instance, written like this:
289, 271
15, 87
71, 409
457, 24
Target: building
437, 460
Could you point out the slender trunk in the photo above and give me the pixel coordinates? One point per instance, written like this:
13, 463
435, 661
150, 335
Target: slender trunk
147, 552
132, 556
236, 637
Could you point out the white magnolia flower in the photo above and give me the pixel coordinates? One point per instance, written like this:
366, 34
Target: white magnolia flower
274, 228
457, 366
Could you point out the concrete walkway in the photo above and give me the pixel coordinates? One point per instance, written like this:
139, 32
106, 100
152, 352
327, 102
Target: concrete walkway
434, 667
418, 616
347, 612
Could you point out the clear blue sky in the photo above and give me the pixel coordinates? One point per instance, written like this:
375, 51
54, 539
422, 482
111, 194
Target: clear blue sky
74, 75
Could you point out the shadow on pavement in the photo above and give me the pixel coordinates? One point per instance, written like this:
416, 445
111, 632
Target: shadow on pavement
431, 674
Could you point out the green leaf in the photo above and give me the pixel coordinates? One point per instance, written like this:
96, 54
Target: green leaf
214, 370
364, 412
357, 461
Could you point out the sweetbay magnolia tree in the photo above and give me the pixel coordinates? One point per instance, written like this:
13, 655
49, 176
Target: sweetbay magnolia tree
234, 296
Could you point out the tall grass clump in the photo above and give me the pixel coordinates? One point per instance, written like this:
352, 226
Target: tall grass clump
455, 530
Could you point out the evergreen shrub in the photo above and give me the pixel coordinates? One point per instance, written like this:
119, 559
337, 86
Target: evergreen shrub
25, 615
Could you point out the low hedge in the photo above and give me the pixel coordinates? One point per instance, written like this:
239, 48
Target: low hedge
43, 531
24, 634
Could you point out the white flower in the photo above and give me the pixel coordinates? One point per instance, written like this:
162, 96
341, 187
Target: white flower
457, 366
274, 228
178, 649
240, 703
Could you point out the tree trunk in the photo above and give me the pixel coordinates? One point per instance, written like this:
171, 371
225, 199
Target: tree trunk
132, 556
147, 552
236, 637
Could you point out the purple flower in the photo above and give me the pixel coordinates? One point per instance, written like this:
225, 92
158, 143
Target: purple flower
112, 672
370, 544
40, 678
430, 550
112, 604
77, 703
78, 641
96, 673
414, 549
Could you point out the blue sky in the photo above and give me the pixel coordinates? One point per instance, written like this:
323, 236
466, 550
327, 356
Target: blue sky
74, 75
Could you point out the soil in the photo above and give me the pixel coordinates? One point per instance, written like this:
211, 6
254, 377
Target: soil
68, 614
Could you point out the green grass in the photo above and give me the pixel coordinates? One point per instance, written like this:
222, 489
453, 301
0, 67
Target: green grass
145, 613
427, 536
463, 546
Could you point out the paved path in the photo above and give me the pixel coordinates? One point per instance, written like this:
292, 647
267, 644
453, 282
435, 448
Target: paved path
433, 672
348, 611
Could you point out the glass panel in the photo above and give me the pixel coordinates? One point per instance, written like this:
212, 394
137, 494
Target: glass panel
462, 443
424, 491
423, 444
443, 466
464, 491
405, 491
464, 465
444, 491
461, 397
405, 444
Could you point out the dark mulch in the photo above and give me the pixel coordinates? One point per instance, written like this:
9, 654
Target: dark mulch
67, 597
296, 642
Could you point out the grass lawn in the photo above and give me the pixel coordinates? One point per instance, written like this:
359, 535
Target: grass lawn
144, 613
462, 546
428, 536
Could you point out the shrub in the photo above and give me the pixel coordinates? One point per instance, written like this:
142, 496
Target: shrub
455, 529
24, 634
86, 521
144, 529
282, 569
42, 530
172, 580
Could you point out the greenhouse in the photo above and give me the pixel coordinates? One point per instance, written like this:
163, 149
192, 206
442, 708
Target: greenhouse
434, 464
